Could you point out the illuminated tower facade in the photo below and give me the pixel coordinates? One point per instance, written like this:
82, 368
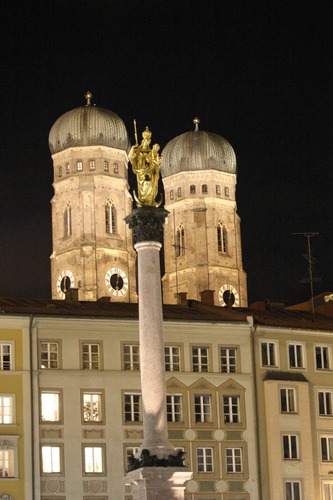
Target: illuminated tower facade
202, 238
92, 246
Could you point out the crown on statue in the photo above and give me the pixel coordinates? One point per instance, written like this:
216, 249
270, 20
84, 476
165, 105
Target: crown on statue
146, 134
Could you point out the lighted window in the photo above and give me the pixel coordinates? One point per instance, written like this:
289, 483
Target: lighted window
269, 354
50, 406
222, 241
92, 406
200, 359
192, 189
49, 355
7, 462
293, 490
288, 400
296, 356
51, 459
6, 356
205, 460
106, 166
290, 447
79, 166
218, 189
226, 192
172, 358
325, 403
326, 449
322, 354
171, 195
110, 217
174, 407
234, 463
228, 356
131, 357
91, 356
116, 168
203, 408
132, 408
67, 168
94, 460
231, 409
204, 189
92, 165
68, 221
180, 241
7, 409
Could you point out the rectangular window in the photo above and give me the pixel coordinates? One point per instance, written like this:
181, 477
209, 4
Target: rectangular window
92, 407
92, 165
293, 490
228, 359
5, 356
288, 400
172, 358
51, 459
115, 168
7, 411
93, 460
106, 166
328, 490
231, 409
131, 355
325, 400
7, 468
268, 354
174, 407
67, 168
200, 359
90, 356
79, 166
49, 355
290, 447
234, 460
326, 449
322, 357
130, 452
296, 356
132, 410
50, 406
203, 408
205, 462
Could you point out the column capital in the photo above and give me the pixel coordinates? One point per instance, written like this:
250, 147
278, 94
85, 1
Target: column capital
147, 223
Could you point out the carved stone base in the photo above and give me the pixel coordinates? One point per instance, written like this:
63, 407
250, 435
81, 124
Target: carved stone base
158, 483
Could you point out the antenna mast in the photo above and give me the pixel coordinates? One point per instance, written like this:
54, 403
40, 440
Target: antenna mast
309, 257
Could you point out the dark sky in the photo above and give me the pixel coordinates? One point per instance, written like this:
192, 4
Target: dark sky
257, 73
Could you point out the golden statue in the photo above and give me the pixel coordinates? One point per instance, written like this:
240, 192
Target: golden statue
146, 166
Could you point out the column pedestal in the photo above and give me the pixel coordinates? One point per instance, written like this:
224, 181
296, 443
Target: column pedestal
158, 483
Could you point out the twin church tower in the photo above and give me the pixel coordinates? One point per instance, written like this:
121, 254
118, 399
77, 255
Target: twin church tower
93, 246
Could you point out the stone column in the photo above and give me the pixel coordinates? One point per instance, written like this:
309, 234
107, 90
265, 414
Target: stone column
157, 471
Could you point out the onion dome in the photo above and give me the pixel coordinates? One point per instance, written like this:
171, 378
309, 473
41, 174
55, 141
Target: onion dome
197, 150
88, 126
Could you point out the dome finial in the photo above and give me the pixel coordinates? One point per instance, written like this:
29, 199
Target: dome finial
196, 122
88, 95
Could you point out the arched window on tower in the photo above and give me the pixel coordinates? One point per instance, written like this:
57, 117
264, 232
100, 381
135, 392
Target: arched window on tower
68, 221
192, 189
180, 241
222, 240
110, 217
204, 189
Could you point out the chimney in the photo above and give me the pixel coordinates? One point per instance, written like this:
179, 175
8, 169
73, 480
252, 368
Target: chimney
72, 295
207, 297
182, 298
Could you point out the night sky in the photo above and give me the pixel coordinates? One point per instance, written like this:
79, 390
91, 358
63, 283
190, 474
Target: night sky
257, 73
